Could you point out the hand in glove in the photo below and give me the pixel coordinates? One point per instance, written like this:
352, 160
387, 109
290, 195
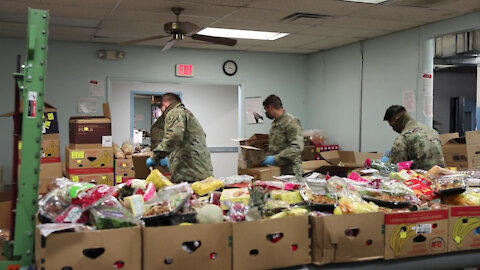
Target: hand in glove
269, 160
164, 162
150, 162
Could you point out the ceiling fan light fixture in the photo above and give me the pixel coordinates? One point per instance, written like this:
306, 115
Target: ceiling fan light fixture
243, 34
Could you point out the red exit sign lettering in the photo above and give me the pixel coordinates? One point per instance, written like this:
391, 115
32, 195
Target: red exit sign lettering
183, 70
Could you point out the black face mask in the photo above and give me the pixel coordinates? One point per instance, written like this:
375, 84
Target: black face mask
268, 115
401, 122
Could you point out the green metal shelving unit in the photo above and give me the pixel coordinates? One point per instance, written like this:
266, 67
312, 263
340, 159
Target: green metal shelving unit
31, 81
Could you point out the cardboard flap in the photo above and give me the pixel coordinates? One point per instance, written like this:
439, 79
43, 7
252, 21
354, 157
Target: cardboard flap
333, 157
250, 147
106, 111
472, 137
444, 138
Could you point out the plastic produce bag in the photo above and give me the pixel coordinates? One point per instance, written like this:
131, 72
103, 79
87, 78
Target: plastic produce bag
111, 214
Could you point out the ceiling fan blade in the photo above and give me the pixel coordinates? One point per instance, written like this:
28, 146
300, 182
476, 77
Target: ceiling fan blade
169, 45
216, 40
188, 27
140, 40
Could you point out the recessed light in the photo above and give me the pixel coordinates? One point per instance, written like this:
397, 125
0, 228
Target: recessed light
366, 1
244, 34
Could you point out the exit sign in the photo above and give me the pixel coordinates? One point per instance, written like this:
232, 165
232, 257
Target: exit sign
183, 70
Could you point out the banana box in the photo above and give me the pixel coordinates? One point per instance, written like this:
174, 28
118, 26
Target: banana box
50, 148
89, 161
347, 238
124, 167
414, 234
464, 228
103, 178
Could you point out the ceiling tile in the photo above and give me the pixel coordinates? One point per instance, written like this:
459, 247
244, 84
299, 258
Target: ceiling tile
66, 31
259, 26
69, 37
324, 7
157, 18
129, 30
261, 15
101, 4
228, 3
293, 40
282, 50
190, 8
449, 5
408, 14
364, 23
21, 9
330, 42
343, 32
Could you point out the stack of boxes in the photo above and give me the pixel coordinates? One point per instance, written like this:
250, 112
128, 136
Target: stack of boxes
251, 154
462, 153
50, 163
124, 169
89, 157
312, 151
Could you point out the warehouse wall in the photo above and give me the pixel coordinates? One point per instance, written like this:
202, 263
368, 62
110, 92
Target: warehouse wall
71, 65
391, 64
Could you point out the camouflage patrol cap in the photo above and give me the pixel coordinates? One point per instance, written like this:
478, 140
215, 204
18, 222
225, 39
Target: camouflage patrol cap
392, 111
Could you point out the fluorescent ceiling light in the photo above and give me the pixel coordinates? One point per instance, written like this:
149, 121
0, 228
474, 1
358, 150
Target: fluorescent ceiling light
366, 1
245, 34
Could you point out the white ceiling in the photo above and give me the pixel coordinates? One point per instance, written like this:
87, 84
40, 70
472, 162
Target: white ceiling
113, 21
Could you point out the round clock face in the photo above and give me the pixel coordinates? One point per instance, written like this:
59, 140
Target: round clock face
230, 67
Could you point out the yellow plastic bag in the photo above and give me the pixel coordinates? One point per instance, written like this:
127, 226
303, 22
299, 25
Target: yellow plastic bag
205, 186
158, 179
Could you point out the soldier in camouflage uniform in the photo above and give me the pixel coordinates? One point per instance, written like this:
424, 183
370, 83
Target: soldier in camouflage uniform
285, 144
156, 131
416, 141
184, 142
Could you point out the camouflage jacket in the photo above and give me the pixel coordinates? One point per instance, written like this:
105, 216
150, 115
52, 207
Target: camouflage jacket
285, 143
186, 144
419, 144
157, 131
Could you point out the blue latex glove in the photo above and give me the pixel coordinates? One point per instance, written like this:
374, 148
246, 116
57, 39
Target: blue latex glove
385, 156
164, 162
150, 162
269, 160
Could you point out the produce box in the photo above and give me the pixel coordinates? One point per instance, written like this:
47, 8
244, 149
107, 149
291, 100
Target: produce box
252, 150
308, 152
48, 173
101, 178
234, 195
91, 131
347, 238
89, 161
102, 249
124, 167
342, 162
119, 179
413, 234
50, 118
5, 212
464, 228
261, 173
268, 244
463, 153
199, 246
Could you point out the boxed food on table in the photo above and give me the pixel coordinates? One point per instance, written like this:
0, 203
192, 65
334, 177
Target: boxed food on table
464, 228
199, 246
418, 233
347, 238
268, 244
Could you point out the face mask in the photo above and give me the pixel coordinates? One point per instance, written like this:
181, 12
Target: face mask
401, 122
268, 115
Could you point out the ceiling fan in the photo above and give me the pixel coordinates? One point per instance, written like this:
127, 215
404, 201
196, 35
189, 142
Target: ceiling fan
178, 30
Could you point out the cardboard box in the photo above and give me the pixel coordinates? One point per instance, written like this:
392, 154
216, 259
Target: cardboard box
274, 243
119, 179
347, 238
50, 118
124, 167
308, 152
463, 153
100, 249
50, 148
102, 178
463, 222
312, 165
91, 130
172, 247
416, 233
48, 173
89, 161
256, 140
307, 141
342, 162
261, 173
5, 215
252, 156
141, 170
